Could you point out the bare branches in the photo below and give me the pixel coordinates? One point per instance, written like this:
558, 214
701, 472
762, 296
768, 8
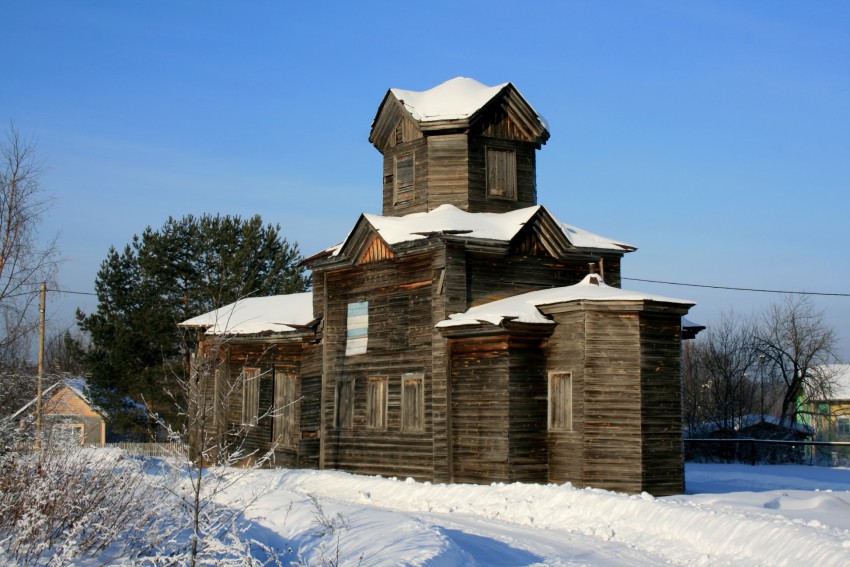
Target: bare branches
795, 339
773, 364
24, 260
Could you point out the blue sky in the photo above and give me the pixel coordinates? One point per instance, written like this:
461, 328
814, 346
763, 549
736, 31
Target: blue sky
715, 136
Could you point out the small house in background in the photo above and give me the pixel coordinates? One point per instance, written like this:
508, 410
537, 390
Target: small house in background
828, 411
68, 415
466, 334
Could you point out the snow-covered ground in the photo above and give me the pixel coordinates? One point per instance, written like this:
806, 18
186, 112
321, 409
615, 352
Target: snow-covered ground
732, 515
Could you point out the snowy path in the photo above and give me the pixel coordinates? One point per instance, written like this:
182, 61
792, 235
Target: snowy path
392, 522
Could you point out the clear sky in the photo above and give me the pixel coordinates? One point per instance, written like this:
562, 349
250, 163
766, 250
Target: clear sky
714, 136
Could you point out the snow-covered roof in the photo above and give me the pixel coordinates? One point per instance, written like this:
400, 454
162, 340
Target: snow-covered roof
745, 422
253, 315
455, 99
489, 226
77, 385
524, 308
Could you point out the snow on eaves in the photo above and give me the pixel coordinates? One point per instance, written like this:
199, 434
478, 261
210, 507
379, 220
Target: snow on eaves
448, 219
745, 422
455, 99
254, 315
78, 386
524, 308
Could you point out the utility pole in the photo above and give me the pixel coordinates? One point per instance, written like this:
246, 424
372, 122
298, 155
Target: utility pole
40, 367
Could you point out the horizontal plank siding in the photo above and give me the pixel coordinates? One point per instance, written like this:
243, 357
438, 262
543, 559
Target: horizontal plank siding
479, 410
661, 412
400, 331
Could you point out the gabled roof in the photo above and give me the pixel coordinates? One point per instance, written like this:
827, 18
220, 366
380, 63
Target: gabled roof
746, 422
77, 386
255, 315
523, 308
456, 103
450, 220
455, 99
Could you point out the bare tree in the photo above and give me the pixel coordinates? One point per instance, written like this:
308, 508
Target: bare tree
796, 340
719, 383
25, 261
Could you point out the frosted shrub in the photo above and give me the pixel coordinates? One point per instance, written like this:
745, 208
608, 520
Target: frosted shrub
61, 503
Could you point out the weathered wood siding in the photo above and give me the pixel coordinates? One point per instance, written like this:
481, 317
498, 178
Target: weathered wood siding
526, 174
498, 408
400, 332
567, 354
527, 394
448, 171
269, 356
661, 411
448, 295
625, 364
310, 406
421, 168
612, 400
492, 277
480, 405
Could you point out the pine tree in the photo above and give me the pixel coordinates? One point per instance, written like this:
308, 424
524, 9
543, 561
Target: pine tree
187, 267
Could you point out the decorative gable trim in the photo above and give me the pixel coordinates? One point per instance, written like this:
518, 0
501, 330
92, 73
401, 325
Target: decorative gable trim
364, 244
509, 117
376, 251
541, 236
393, 125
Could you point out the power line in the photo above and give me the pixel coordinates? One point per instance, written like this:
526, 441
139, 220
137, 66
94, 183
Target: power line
741, 288
34, 292
72, 292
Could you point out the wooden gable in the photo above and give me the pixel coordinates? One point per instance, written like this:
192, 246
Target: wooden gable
393, 125
541, 236
365, 245
67, 402
509, 117
376, 251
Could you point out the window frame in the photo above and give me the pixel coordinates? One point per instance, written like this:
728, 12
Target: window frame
376, 402
842, 426
564, 421
357, 328
406, 194
501, 163
250, 378
416, 422
340, 389
284, 423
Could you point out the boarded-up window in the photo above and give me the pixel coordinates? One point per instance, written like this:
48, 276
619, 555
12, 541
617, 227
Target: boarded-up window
412, 402
501, 173
404, 177
344, 404
283, 428
357, 330
376, 403
250, 395
561, 401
